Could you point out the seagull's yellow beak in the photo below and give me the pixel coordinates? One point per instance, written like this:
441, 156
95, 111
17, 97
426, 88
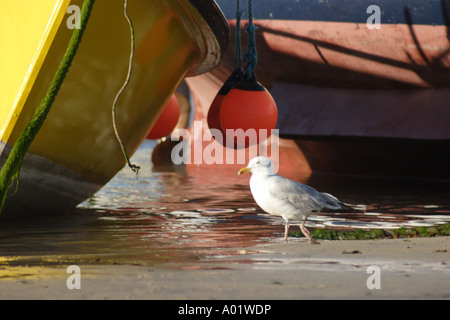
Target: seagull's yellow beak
244, 170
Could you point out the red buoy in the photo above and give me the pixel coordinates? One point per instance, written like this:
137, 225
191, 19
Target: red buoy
167, 120
248, 106
214, 110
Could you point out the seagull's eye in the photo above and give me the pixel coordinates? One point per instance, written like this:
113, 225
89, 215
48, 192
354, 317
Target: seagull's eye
258, 162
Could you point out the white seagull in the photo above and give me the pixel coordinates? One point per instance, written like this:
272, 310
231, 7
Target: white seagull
289, 199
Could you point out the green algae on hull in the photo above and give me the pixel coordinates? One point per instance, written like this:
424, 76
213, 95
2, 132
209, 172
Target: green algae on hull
434, 231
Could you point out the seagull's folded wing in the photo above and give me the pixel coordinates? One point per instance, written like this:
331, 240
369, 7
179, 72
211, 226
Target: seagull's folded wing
302, 197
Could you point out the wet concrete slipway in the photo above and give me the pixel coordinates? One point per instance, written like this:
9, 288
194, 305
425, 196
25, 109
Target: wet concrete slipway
196, 233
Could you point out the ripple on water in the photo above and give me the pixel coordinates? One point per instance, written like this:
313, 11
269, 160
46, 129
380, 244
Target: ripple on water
186, 215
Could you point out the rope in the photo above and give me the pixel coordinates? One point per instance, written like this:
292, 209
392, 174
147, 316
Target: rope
251, 57
133, 167
11, 169
238, 63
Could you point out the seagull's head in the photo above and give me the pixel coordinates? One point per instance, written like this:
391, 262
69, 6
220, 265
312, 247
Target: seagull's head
261, 165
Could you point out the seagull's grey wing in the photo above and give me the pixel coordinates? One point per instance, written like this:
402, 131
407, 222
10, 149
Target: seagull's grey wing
300, 196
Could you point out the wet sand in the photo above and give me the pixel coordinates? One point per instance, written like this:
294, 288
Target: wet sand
417, 268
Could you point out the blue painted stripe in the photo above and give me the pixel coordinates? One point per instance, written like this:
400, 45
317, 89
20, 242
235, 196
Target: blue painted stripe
428, 12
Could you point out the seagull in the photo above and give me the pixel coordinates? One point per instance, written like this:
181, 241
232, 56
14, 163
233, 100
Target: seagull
289, 199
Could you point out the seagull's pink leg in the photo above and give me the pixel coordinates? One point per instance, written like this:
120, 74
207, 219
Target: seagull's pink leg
304, 230
286, 230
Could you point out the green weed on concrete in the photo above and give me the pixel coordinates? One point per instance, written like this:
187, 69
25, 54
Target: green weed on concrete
434, 231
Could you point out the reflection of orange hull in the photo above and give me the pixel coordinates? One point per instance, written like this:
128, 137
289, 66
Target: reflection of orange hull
354, 100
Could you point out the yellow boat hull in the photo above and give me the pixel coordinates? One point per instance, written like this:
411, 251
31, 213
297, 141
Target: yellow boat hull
76, 151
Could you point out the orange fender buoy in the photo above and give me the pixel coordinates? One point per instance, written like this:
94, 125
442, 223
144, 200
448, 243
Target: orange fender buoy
213, 117
167, 120
248, 106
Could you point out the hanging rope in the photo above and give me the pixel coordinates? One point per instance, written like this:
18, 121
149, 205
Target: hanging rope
11, 169
133, 167
238, 63
251, 57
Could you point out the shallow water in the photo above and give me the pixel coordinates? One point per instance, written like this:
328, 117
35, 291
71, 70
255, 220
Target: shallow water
185, 215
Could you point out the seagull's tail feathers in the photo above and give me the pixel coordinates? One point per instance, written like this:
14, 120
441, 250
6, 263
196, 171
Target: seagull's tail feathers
354, 208
333, 204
